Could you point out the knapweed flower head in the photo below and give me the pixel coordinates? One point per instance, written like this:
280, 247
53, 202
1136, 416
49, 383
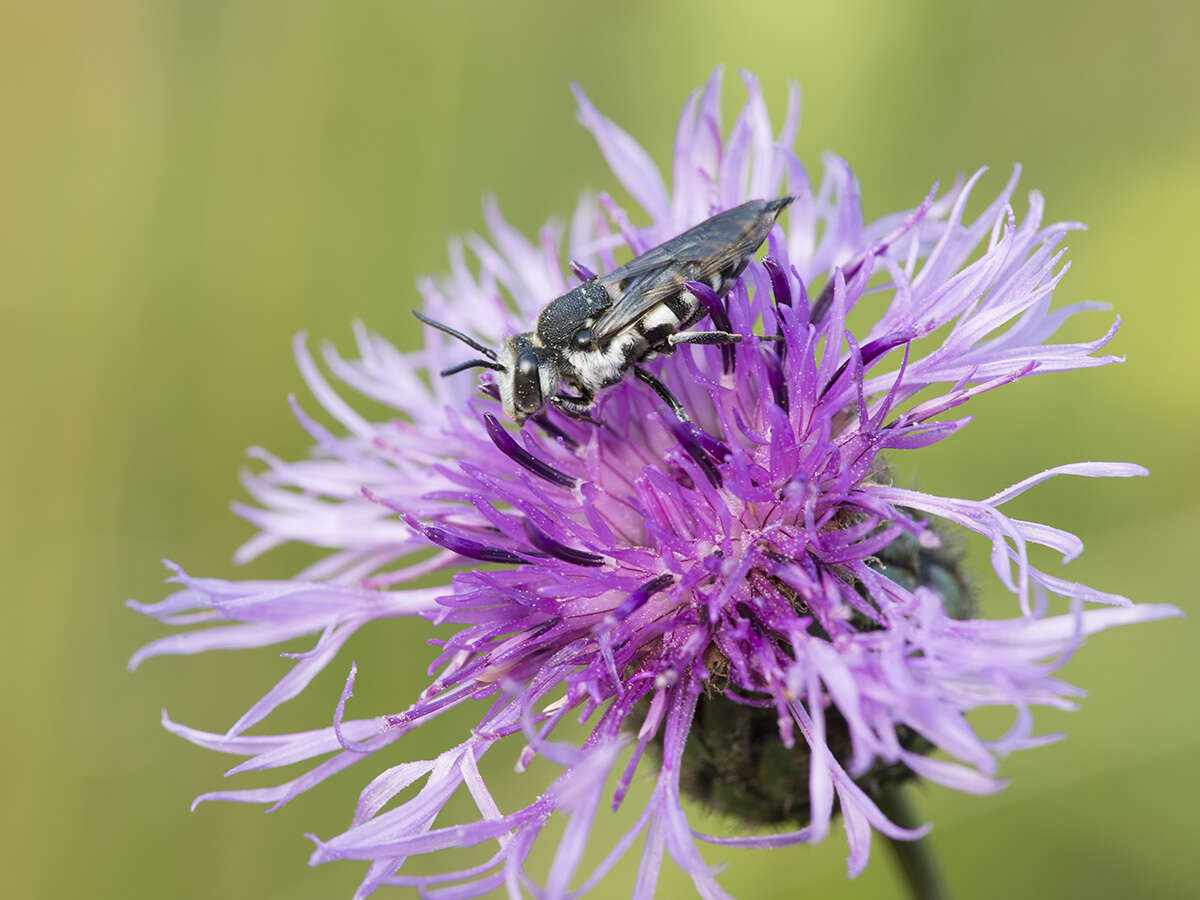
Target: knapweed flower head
648, 576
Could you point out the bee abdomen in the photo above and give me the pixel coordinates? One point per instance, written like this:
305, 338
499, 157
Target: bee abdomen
659, 324
668, 317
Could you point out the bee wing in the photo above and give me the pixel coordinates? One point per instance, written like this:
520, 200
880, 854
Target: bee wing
710, 238
645, 291
715, 245
654, 260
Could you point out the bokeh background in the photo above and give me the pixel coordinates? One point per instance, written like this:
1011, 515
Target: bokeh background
184, 185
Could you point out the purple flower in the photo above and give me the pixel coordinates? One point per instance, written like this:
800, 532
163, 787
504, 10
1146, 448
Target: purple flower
650, 569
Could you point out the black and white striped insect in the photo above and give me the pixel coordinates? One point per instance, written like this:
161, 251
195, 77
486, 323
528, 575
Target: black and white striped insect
597, 333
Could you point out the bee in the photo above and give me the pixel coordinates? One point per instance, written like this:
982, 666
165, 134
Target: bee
594, 335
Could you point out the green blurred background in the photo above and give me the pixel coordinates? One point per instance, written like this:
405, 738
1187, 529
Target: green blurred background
184, 185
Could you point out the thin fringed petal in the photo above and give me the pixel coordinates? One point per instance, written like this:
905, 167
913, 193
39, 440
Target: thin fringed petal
581, 800
233, 637
1086, 470
301, 675
272, 613
629, 162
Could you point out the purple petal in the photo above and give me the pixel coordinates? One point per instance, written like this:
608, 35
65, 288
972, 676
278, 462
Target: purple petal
629, 162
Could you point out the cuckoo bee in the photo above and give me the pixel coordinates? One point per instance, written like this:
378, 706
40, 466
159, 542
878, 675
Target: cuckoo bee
597, 333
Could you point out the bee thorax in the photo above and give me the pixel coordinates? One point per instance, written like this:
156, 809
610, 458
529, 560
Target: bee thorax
591, 370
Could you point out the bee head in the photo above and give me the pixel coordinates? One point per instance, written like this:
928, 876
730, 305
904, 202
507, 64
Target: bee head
530, 377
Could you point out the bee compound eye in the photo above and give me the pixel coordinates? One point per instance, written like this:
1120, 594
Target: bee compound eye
527, 364
527, 385
584, 339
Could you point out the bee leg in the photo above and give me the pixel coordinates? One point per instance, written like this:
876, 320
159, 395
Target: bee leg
704, 337
714, 337
661, 389
575, 408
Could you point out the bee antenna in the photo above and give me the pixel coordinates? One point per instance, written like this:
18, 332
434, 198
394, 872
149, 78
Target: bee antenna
470, 342
473, 364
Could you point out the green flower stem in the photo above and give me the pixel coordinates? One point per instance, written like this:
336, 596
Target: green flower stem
914, 858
